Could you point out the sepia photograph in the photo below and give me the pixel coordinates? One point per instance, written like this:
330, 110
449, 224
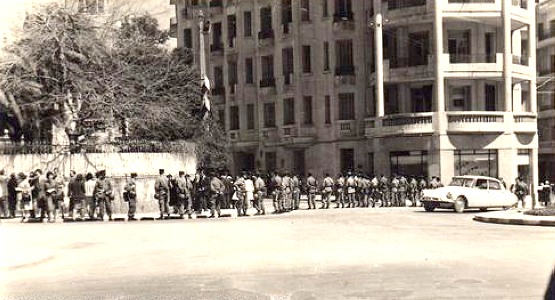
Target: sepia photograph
277, 149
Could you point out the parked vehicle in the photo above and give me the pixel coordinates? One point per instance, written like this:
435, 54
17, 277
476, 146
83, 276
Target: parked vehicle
469, 192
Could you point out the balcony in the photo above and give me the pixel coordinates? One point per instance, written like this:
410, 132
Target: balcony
402, 68
218, 91
409, 124
216, 6
345, 70
546, 35
217, 48
525, 123
244, 138
267, 82
475, 122
266, 34
474, 65
269, 136
520, 60
343, 21
343, 16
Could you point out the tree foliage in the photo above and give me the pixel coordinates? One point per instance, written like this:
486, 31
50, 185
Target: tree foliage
75, 72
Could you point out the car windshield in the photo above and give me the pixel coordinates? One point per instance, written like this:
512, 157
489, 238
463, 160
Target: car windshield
459, 181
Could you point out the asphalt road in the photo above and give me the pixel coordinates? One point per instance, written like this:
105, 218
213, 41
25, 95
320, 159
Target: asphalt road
387, 253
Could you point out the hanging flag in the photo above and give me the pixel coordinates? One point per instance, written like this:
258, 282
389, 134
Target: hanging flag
206, 105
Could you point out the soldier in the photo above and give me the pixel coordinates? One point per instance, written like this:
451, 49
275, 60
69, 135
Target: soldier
312, 188
296, 188
12, 194
351, 189
412, 191
366, 191
422, 184
384, 191
340, 191
403, 185
131, 195
103, 194
287, 191
327, 191
278, 193
242, 204
90, 201
394, 190
260, 190
59, 196
184, 188
3, 195
161, 193
217, 188
202, 186
76, 194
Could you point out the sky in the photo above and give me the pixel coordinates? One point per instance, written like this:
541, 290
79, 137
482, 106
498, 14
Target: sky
12, 13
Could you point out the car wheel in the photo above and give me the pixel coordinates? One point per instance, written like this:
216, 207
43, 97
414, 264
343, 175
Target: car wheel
460, 204
429, 207
484, 209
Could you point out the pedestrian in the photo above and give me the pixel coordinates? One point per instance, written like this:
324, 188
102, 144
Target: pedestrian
59, 196
50, 195
184, 189
340, 191
12, 194
394, 190
384, 191
4, 204
296, 192
260, 193
277, 181
287, 191
249, 191
71, 207
545, 189
24, 196
312, 188
90, 201
351, 189
76, 194
103, 194
403, 186
161, 193
131, 196
520, 189
327, 191
240, 191
412, 190
217, 188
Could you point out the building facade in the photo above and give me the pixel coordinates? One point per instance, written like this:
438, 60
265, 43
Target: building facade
419, 87
546, 88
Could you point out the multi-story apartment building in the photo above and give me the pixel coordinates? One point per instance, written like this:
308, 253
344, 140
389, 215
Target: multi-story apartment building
546, 88
419, 87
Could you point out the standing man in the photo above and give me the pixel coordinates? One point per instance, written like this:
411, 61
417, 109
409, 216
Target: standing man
260, 190
296, 187
278, 193
90, 201
103, 193
287, 189
76, 194
185, 201
131, 194
217, 189
351, 190
521, 190
327, 191
312, 188
340, 191
3, 195
12, 194
403, 186
240, 190
161, 193
71, 207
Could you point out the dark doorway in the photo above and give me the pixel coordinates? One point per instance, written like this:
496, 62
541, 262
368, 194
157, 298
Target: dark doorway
347, 159
299, 162
490, 97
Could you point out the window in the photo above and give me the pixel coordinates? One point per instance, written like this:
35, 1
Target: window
421, 98
249, 70
216, 37
325, 8
305, 10
286, 12
267, 71
250, 116
344, 58
459, 46
540, 31
187, 38
481, 184
231, 30
347, 106
287, 61
266, 19
91, 6
247, 24
218, 77
460, 98
231, 73
494, 185
307, 109
343, 10
306, 59
327, 110
391, 99
347, 159
271, 161
233, 118
419, 49
326, 56
269, 115
476, 162
414, 163
288, 111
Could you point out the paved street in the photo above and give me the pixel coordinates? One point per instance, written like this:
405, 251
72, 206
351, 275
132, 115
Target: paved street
388, 253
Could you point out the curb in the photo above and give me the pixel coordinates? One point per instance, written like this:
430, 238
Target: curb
508, 221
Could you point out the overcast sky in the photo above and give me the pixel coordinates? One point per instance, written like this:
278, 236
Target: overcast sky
12, 12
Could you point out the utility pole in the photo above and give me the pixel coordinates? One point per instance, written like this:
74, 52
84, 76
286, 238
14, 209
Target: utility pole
204, 29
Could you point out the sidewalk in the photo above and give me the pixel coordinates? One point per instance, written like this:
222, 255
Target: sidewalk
514, 217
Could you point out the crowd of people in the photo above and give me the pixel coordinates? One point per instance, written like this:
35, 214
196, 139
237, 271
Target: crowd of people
49, 196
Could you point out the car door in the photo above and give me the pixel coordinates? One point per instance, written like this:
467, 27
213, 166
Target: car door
480, 193
496, 194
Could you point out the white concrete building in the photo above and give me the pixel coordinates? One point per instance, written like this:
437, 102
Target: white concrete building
546, 88
419, 87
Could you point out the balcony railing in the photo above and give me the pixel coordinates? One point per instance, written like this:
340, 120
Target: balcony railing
400, 4
217, 47
267, 82
403, 120
471, 58
343, 16
266, 34
216, 3
546, 68
475, 118
218, 91
345, 70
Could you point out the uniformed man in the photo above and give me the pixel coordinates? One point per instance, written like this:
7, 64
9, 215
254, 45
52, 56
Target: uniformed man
375, 193
277, 181
340, 191
351, 189
520, 189
384, 191
327, 191
312, 188
103, 193
412, 191
242, 204
394, 190
184, 189
260, 194
403, 186
287, 190
131, 196
296, 189
217, 188
161, 193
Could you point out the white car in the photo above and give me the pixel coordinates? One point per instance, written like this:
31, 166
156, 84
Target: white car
469, 192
